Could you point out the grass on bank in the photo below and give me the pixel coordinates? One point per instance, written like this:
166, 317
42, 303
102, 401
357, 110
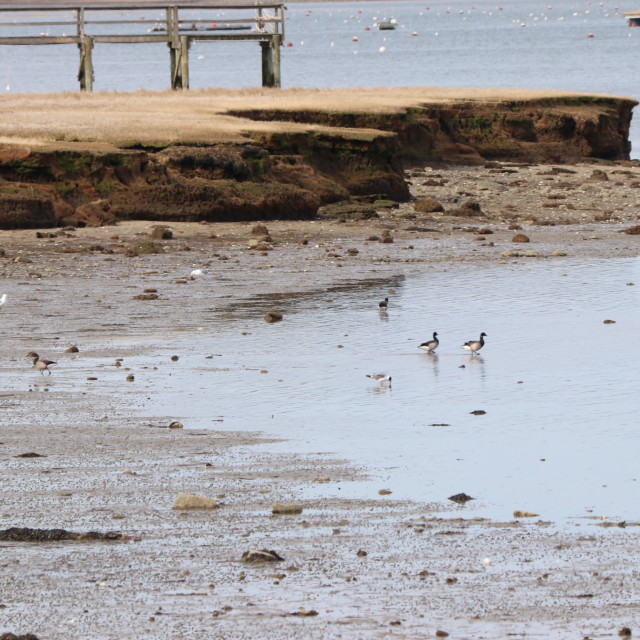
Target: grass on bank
169, 117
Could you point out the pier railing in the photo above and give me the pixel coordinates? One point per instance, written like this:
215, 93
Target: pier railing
181, 25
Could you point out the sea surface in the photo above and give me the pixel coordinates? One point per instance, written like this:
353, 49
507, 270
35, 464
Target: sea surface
567, 45
557, 384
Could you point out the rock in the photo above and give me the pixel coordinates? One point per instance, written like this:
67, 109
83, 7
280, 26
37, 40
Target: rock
161, 233
130, 377
188, 501
460, 498
384, 492
175, 358
633, 231
93, 214
625, 632
519, 254
524, 514
286, 509
427, 205
608, 322
260, 230
304, 613
26, 534
353, 251
146, 296
386, 238
23, 636
599, 175
478, 412
361, 553
73, 349
175, 425
262, 555
558, 253
520, 237
441, 634
272, 316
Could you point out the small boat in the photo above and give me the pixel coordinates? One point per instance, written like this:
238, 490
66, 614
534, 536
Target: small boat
633, 18
386, 26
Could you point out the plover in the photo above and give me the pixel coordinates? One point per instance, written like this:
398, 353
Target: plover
430, 345
380, 378
475, 345
41, 364
383, 304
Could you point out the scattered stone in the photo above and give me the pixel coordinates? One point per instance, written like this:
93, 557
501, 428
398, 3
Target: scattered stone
260, 230
441, 634
520, 254
162, 233
428, 205
608, 322
304, 613
478, 412
520, 237
175, 425
599, 175
361, 553
633, 231
272, 316
524, 514
73, 349
26, 534
322, 479
303, 241
625, 632
92, 378
515, 227
386, 238
286, 509
262, 555
353, 251
146, 296
460, 498
188, 501
384, 492
558, 253
30, 454
373, 238
130, 377
22, 636
175, 358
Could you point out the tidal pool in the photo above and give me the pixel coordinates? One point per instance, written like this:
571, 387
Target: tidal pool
559, 385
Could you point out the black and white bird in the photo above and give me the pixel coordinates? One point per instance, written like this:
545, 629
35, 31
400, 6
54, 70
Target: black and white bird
380, 378
41, 364
383, 305
430, 345
3, 299
475, 345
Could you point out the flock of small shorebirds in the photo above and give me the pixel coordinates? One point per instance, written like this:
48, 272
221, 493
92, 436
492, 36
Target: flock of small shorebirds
429, 346
42, 364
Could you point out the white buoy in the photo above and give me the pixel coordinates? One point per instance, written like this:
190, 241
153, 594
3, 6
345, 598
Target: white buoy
382, 49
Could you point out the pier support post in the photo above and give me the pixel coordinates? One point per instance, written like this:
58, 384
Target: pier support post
271, 62
85, 72
180, 63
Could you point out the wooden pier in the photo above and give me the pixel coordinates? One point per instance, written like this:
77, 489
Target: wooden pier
47, 23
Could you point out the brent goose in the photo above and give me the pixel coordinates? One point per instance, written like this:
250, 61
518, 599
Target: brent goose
430, 345
475, 345
41, 364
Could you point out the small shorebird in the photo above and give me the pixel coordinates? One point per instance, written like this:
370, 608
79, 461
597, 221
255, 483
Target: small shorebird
383, 304
3, 299
430, 345
41, 364
196, 273
380, 378
475, 345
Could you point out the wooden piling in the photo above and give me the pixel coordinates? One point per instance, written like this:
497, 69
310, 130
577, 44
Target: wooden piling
271, 62
85, 72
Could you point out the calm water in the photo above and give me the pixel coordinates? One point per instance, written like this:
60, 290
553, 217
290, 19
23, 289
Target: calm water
559, 386
528, 44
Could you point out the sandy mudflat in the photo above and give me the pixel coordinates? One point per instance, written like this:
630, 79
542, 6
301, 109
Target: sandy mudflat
371, 568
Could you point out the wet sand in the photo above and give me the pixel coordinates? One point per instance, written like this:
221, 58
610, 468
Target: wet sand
369, 568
